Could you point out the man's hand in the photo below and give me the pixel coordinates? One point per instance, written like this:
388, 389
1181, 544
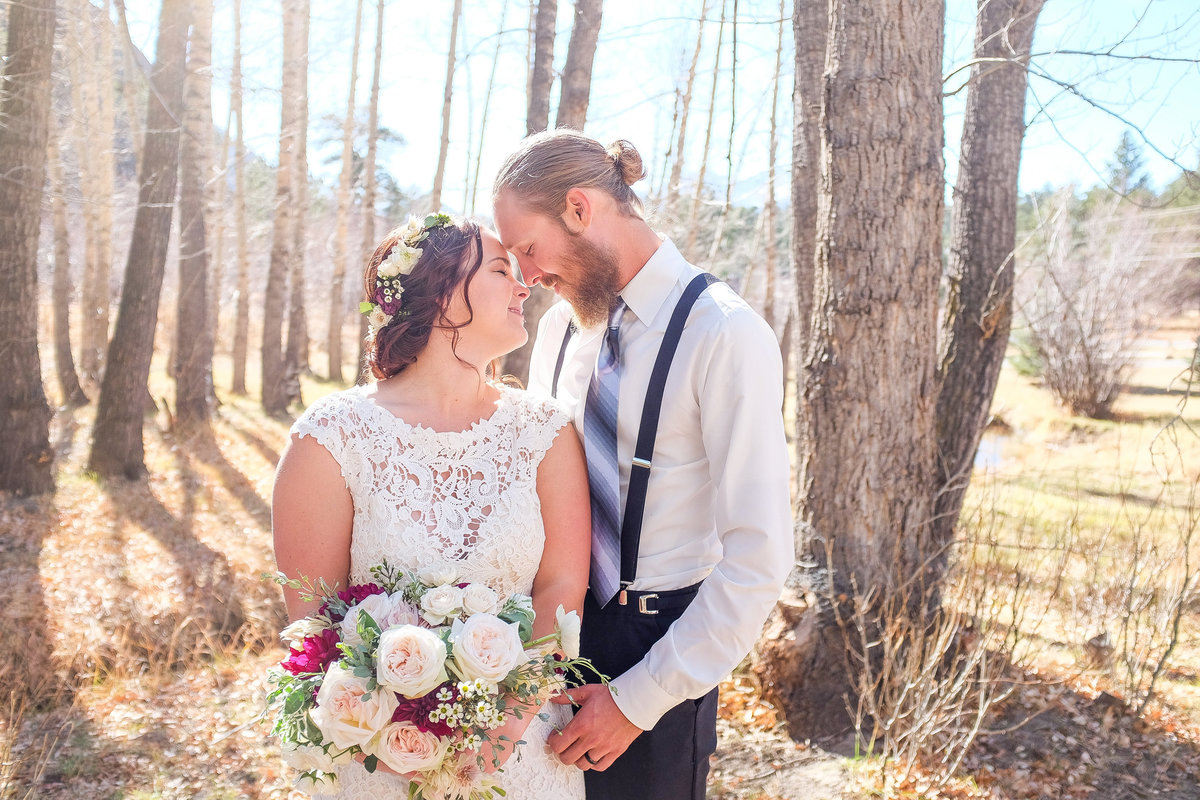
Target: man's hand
598, 734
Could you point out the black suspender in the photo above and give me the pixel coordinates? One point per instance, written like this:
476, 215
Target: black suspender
639, 479
562, 354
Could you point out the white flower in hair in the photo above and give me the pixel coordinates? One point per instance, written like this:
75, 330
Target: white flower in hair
400, 261
378, 319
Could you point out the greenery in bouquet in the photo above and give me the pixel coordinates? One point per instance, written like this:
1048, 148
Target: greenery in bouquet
416, 672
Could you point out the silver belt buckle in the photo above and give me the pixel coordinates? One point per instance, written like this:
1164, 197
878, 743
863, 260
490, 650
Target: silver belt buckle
643, 608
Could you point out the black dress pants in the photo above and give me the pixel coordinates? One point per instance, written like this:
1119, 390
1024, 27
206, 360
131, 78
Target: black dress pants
669, 762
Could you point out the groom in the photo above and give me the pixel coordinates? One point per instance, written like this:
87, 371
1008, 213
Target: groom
691, 529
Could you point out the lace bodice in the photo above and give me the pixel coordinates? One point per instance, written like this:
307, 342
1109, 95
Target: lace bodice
466, 499
423, 497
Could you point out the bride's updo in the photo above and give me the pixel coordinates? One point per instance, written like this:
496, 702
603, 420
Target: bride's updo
451, 254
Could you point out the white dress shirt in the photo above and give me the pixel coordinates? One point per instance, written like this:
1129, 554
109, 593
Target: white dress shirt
717, 507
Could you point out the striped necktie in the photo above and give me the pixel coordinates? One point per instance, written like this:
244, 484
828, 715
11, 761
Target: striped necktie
604, 478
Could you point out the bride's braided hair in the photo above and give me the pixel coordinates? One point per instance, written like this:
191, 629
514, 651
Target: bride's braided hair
451, 254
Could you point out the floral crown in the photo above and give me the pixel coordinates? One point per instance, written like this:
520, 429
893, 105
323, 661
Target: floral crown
398, 262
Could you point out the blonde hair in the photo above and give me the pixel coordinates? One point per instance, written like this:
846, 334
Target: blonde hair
547, 165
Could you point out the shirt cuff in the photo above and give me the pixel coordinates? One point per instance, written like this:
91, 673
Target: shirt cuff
640, 698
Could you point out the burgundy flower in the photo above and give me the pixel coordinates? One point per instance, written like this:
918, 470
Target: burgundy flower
351, 595
417, 710
316, 653
359, 592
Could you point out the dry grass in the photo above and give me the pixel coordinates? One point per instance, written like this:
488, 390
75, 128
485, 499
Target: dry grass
143, 627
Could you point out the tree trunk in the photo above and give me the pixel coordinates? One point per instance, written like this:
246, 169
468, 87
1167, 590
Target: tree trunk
241, 325
772, 247
435, 201
193, 337
867, 471
572, 113
541, 78
129, 88
92, 98
274, 389
978, 312
577, 72
810, 27
61, 302
26, 460
216, 253
337, 293
684, 108
117, 439
714, 248
296, 353
368, 209
689, 248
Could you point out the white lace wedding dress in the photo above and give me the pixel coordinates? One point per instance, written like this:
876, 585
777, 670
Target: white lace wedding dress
464, 499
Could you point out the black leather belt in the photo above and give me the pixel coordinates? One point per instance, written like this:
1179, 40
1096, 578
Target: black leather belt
650, 603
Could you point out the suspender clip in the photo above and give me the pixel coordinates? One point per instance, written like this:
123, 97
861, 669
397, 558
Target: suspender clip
641, 462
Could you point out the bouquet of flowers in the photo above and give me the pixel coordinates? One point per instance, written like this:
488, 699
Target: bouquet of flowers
415, 672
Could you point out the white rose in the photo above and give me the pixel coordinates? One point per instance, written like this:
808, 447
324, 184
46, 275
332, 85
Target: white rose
295, 634
398, 612
410, 660
437, 575
441, 602
344, 715
377, 606
404, 747
307, 757
568, 624
479, 599
378, 319
318, 783
486, 648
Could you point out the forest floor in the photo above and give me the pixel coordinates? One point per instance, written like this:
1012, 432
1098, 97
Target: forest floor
138, 625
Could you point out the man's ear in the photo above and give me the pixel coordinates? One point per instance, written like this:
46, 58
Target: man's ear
578, 213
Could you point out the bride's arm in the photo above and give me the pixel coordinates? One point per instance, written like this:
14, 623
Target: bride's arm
566, 514
312, 515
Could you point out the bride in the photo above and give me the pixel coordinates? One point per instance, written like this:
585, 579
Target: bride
436, 465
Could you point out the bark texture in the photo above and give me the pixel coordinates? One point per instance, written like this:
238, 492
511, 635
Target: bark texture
435, 202
810, 26
241, 324
337, 285
369, 185
541, 75
577, 72
193, 334
978, 312
296, 360
869, 389
26, 461
117, 439
61, 291
274, 389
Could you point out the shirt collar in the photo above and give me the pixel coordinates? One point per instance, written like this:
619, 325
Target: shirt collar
651, 287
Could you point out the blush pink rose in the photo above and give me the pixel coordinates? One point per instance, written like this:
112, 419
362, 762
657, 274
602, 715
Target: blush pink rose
404, 747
